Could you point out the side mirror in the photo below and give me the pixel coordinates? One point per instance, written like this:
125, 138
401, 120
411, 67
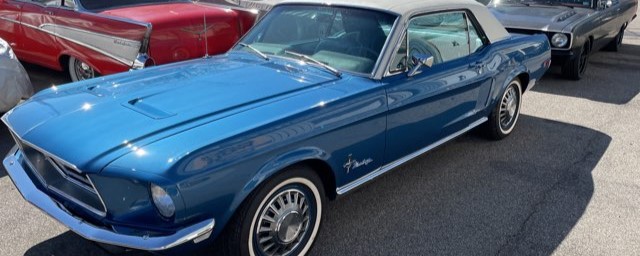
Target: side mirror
420, 60
604, 4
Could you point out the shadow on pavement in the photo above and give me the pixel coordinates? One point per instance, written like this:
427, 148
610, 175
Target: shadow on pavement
519, 196
612, 77
6, 142
69, 243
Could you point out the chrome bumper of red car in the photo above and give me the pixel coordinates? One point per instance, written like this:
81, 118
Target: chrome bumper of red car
198, 232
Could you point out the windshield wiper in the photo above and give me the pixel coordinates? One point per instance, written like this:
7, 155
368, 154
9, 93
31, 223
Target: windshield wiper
256, 51
306, 57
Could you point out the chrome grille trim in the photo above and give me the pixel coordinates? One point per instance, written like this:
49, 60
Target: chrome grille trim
56, 162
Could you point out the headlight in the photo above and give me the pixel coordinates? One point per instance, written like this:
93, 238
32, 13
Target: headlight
5, 50
163, 201
559, 40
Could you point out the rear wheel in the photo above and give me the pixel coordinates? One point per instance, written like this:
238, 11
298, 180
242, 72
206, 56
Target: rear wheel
79, 70
282, 217
575, 69
505, 114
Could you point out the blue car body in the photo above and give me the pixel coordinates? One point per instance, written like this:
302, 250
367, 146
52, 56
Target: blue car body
210, 131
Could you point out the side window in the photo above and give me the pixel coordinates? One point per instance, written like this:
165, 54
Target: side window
475, 40
445, 36
399, 62
442, 35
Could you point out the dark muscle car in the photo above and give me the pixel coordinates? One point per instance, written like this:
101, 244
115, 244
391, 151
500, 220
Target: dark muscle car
576, 28
317, 99
88, 38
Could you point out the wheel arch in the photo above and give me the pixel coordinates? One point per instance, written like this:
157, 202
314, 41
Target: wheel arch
524, 78
313, 158
63, 60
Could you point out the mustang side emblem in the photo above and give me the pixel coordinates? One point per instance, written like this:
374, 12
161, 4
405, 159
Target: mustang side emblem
353, 164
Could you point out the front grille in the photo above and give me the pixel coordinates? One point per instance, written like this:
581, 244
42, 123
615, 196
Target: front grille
535, 32
61, 179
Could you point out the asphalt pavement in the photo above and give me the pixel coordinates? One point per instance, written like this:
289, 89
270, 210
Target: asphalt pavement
566, 182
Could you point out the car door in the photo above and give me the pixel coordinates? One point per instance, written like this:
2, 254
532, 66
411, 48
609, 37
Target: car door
9, 21
39, 44
606, 19
442, 99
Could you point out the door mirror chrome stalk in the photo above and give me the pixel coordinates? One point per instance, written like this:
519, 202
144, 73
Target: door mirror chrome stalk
420, 60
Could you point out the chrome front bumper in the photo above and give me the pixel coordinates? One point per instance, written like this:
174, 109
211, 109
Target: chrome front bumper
33, 195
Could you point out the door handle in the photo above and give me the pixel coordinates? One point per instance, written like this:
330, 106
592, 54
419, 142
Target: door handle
49, 12
478, 66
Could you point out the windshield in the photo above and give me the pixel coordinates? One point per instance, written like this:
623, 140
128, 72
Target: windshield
94, 5
343, 38
570, 3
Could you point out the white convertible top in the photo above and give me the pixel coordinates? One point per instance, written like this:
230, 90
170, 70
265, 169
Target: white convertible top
407, 8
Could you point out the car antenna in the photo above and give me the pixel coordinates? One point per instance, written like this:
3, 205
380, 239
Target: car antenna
206, 38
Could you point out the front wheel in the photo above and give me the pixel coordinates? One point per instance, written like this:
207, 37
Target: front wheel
615, 45
79, 70
282, 217
575, 68
505, 114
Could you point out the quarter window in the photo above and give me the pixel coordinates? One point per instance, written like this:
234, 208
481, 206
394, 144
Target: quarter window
69, 3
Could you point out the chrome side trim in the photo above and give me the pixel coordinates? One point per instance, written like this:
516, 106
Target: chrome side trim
9, 20
196, 232
121, 49
382, 170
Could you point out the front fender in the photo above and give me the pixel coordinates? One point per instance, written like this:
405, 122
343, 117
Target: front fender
278, 164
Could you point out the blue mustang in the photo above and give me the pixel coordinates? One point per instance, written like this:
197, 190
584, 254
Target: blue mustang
314, 101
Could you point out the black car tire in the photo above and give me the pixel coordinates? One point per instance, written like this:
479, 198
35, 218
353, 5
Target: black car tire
496, 128
239, 237
615, 45
575, 68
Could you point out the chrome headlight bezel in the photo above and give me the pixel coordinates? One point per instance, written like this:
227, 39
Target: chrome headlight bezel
163, 202
559, 40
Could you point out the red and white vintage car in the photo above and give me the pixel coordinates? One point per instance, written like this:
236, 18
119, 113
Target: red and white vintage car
96, 37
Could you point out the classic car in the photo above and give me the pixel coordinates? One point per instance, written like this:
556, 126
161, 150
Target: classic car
14, 81
88, 38
576, 28
246, 147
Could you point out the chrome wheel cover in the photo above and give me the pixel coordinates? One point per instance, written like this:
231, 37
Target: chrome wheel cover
283, 223
509, 108
299, 242
82, 70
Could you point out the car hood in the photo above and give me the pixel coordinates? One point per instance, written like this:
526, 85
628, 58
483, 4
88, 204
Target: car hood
92, 123
543, 18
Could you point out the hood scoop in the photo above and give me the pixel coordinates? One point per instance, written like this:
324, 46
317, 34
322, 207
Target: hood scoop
565, 15
141, 107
